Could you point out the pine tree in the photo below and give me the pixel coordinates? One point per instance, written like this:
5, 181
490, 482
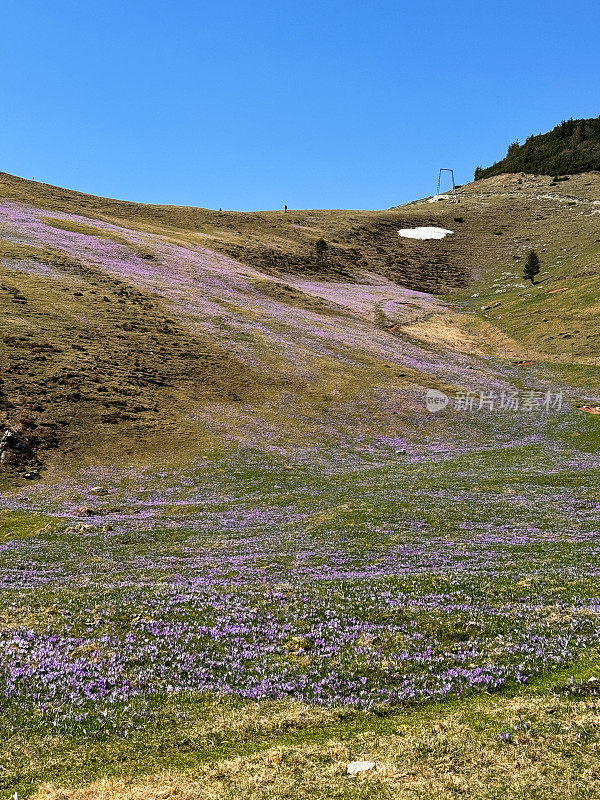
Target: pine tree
321, 247
532, 266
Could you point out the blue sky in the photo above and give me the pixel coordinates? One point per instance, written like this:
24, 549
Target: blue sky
250, 105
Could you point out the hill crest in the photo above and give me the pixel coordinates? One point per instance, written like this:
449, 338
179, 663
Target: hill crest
572, 147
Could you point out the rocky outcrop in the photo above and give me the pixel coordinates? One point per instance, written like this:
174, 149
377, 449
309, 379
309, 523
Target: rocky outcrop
18, 451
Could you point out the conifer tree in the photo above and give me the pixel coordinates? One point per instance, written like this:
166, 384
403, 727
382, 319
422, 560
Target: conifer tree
321, 247
532, 266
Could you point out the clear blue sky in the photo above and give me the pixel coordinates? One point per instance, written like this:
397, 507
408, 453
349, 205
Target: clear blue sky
250, 105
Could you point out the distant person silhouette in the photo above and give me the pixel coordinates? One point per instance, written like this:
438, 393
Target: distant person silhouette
285, 209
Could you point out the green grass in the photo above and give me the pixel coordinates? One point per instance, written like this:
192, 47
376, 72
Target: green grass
186, 734
22, 525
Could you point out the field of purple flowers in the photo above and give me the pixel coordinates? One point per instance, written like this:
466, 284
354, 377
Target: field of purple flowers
341, 549
368, 588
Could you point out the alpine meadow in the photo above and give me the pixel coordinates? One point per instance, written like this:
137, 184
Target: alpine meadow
304, 504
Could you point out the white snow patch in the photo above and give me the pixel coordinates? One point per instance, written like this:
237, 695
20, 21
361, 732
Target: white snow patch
354, 767
424, 233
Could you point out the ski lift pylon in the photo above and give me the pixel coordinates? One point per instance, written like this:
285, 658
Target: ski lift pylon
439, 183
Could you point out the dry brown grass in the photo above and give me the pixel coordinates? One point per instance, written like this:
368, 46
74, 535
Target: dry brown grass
84, 354
552, 754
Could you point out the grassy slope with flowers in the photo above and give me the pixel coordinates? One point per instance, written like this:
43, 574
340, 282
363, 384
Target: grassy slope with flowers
253, 556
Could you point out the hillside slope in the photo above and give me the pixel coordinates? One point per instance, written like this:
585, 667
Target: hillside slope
130, 331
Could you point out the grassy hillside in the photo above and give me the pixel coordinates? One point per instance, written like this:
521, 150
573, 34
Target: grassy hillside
272, 241
555, 320
237, 552
125, 319
572, 147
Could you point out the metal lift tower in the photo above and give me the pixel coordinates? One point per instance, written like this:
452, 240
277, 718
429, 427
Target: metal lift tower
451, 171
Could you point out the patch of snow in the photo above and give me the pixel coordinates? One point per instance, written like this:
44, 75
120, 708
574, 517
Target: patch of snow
424, 233
359, 766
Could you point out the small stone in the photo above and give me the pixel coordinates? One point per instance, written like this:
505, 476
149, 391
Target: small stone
32, 474
359, 766
81, 528
99, 490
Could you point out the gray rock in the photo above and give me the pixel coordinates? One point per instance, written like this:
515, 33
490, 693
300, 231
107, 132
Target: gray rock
32, 474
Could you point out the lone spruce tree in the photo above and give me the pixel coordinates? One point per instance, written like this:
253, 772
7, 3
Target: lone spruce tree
321, 247
532, 266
